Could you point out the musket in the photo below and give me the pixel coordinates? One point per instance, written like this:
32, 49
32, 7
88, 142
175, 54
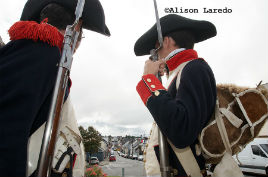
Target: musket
163, 149
50, 134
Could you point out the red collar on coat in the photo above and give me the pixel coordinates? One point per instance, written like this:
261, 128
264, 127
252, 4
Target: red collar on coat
35, 31
180, 58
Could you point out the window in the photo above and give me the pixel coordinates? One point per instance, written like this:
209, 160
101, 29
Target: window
265, 147
257, 151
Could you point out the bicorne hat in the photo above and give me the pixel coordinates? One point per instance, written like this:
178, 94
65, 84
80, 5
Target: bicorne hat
201, 30
93, 14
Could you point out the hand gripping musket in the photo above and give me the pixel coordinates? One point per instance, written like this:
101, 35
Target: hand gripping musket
163, 151
49, 139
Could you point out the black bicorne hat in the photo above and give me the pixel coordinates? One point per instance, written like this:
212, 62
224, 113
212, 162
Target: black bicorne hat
93, 14
201, 30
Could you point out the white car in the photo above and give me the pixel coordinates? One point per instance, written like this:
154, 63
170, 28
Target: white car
112, 152
135, 156
94, 160
254, 158
130, 156
140, 158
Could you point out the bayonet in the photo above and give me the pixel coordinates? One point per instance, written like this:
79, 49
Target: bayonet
158, 25
153, 52
163, 149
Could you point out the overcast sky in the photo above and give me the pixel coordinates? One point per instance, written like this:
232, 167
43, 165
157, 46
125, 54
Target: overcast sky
105, 70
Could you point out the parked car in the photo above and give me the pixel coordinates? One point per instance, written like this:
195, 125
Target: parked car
94, 160
140, 158
254, 158
135, 156
112, 158
130, 156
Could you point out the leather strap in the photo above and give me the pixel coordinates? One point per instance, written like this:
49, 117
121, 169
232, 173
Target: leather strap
233, 119
222, 128
185, 155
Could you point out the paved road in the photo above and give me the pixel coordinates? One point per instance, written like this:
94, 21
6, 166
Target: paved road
131, 167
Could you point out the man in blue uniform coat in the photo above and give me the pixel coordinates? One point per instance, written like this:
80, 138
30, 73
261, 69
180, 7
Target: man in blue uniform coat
28, 67
181, 112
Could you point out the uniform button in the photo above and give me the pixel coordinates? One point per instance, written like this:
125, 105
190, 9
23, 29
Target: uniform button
175, 171
149, 80
153, 86
156, 93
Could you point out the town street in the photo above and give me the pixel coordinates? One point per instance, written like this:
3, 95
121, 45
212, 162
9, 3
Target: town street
131, 167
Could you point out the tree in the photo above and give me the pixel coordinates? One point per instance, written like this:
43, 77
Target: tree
91, 139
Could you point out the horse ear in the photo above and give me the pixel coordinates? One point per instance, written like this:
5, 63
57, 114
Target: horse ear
263, 90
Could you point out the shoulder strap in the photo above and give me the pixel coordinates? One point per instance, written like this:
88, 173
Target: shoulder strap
185, 155
179, 73
187, 160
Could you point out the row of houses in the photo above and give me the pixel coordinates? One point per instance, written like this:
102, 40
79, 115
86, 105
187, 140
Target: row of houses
129, 145
134, 146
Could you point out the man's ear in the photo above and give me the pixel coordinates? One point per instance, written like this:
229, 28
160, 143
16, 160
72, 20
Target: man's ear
166, 41
171, 42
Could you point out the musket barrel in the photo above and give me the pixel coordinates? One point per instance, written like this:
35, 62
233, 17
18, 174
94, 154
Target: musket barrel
52, 124
164, 163
49, 138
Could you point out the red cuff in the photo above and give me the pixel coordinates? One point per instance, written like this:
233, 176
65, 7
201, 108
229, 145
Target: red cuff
152, 82
143, 91
148, 85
